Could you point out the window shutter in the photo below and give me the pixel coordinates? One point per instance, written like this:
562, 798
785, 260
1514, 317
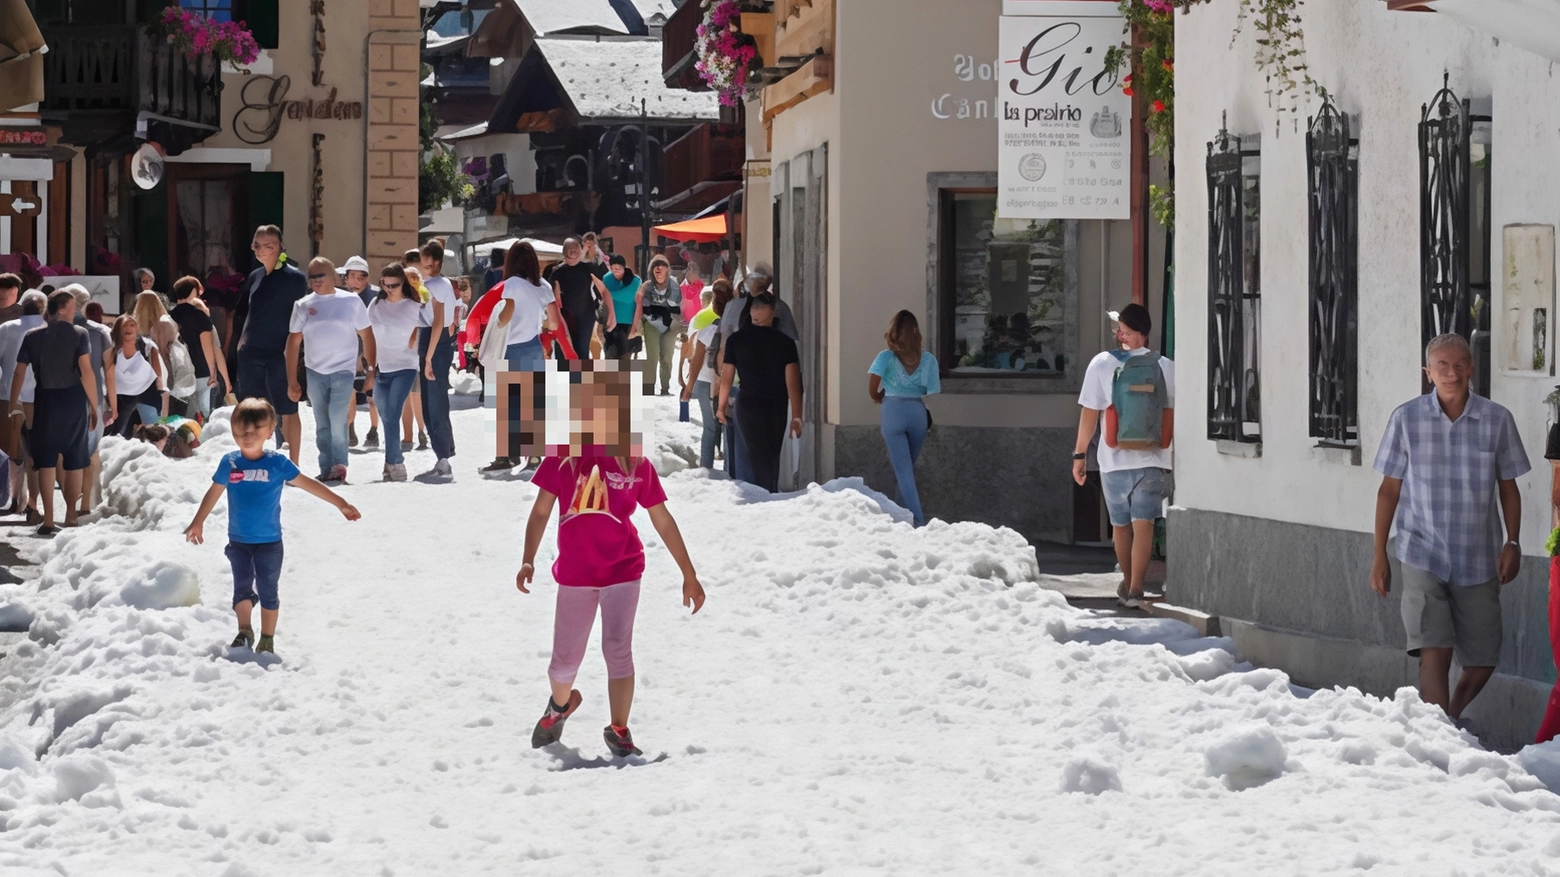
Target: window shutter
150, 209
265, 200
263, 19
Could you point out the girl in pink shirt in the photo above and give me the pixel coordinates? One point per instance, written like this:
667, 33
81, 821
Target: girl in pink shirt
600, 558
692, 292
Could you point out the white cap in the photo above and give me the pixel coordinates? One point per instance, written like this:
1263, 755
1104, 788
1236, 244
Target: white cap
356, 263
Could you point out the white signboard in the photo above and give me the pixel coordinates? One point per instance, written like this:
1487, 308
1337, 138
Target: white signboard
1064, 122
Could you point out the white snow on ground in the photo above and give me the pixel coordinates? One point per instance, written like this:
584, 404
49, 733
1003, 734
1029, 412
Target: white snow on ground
857, 697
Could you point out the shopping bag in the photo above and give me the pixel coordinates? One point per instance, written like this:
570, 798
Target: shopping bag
1551, 724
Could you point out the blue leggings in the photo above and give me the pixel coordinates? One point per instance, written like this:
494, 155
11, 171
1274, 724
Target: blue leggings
904, 431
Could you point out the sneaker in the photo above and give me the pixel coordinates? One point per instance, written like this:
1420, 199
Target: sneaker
372, 441
620, 742
245, 639
264, 646
422, 440
351, 435
406, 446
440, 469
1122, 593
549, 729
338, 472
328, 476
395, 472
499, 464
1133, 601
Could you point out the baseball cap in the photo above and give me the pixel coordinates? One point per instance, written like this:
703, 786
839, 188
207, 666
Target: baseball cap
1135, 317
356, 263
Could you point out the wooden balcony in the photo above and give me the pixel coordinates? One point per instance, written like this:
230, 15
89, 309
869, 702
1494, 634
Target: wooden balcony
99, 79
708, 153
677, 51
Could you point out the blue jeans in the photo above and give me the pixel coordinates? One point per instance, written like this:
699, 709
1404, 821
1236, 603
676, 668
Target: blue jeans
736, 450
332, 397
904, 431
257, 570
526, 356
436, 393
390, 392
711, 435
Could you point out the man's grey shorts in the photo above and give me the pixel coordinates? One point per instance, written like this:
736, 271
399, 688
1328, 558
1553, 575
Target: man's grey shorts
1136, 494
1438, 615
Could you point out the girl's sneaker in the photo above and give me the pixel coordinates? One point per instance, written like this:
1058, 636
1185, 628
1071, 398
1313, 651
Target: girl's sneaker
245, 638
549, 729
620, 742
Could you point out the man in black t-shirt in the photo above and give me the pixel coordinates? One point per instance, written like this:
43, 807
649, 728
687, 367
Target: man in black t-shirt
199, 335
578, 287
59, 355
271, 290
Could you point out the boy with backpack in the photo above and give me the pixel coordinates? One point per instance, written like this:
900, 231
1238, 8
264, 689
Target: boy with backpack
1134, 389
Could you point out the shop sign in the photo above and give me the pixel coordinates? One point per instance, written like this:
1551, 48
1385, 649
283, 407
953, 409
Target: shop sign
264, 104
1063, 151
14, 138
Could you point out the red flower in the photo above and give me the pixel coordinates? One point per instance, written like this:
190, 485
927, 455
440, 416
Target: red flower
1169, 64
1158, 106
1126, 90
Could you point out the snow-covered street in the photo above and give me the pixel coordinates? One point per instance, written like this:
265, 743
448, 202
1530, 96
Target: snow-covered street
856, 697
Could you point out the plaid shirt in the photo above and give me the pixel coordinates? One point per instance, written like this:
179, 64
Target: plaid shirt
1448, 521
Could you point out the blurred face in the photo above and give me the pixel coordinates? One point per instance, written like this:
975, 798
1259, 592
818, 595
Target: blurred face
322, 278
1450, 369
762, 314
571, 254
693, 271
600, 420
252, 440
128, 332
391, 284
413, 275
590, 248
146, 282
660, 272
357, 281
1128, 339
618, 271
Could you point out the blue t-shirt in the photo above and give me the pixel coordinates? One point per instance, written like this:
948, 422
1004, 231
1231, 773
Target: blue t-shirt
254, 492
622, 296
898, 382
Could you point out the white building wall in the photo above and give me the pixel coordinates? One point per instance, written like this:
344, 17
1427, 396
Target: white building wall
1381, 67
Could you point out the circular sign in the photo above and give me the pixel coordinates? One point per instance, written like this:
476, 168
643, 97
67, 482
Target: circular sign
1032, 166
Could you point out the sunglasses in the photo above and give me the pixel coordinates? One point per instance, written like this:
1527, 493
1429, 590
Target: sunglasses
384, 285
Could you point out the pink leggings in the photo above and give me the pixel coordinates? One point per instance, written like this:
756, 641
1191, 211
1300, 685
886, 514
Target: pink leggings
571, 629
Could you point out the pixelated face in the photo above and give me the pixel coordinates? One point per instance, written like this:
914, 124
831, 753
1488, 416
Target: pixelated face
599, 403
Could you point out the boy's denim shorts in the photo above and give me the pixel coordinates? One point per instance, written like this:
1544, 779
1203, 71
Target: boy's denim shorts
257, 570
1136, 494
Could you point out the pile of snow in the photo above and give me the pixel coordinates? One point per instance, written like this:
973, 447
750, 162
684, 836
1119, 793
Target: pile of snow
857, 696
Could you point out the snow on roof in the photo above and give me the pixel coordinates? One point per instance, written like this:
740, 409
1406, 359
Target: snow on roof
648, 8
583, 16
607, 79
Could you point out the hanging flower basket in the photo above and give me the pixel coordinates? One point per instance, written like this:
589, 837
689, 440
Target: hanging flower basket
198, 36
725, 54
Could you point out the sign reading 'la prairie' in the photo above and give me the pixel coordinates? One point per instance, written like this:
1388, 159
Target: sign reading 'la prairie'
1063, 119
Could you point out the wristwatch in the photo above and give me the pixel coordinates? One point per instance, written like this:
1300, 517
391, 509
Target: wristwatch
1081, 455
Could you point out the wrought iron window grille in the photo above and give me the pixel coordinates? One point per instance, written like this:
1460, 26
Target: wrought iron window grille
1332, 161
1234, 287
1454, 228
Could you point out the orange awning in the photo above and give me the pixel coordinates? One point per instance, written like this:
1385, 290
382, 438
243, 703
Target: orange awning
709, 230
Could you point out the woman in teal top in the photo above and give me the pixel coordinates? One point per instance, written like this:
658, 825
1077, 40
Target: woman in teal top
622, 342
899, 377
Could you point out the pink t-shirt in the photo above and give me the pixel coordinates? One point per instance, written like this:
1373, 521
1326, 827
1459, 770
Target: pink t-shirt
597, 542
692, 301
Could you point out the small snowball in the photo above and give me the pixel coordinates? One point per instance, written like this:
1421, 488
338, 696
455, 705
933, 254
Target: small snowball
163, 585
1246, 758
75, 777
1089, 776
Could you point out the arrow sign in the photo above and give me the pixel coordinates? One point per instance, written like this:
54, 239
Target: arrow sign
20, 206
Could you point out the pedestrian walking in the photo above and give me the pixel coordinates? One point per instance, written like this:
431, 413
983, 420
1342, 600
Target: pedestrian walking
59, 355
626, 339
355, 275
10, 297
526, 306
1132, 390
661, 301
137, 392
600, 561
413, 411
733, 319
705, 327
198, 333
436, 348
394, 316
253, 477
178, 366
21, 488
101, 343
270, 293
766, 361
899, 380
578, 287
1444, 459
692, 293
328, 324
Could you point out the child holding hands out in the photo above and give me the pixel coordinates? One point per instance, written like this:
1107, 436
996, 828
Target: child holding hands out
600, 558
253, 478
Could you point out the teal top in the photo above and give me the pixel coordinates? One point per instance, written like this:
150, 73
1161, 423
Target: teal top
622, 296
898, 382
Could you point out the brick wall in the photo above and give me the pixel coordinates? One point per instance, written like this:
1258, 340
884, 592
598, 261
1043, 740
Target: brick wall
393, 61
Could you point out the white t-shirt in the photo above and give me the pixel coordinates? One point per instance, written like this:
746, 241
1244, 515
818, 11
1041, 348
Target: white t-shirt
706, 336
394, 322
440, 289
133, 374
329, 324
1097, 383
531, 301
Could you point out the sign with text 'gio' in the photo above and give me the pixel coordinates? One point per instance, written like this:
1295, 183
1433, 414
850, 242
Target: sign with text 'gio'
1064, 122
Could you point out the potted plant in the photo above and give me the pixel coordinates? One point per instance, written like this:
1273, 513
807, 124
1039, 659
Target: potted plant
226, 42
725, 54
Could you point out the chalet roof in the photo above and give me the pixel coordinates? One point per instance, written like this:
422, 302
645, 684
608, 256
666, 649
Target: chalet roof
607, 79
572, 16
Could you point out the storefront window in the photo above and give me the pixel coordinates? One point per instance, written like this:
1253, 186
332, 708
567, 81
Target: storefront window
1004, 290
206, 226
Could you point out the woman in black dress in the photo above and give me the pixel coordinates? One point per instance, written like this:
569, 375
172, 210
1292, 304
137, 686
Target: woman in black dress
765, 360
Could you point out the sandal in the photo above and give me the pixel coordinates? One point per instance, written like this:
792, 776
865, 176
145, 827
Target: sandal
46, 531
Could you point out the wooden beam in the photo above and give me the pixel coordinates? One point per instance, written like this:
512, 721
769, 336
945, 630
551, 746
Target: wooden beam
812, 78
761, 27
808, 34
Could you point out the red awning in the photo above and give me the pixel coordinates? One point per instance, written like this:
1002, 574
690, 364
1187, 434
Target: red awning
709, 230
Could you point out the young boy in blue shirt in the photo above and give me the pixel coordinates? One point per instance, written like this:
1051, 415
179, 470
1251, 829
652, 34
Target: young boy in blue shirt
253, 478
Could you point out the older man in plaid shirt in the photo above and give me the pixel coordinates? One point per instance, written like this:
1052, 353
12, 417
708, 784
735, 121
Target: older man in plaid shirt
1444, 458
